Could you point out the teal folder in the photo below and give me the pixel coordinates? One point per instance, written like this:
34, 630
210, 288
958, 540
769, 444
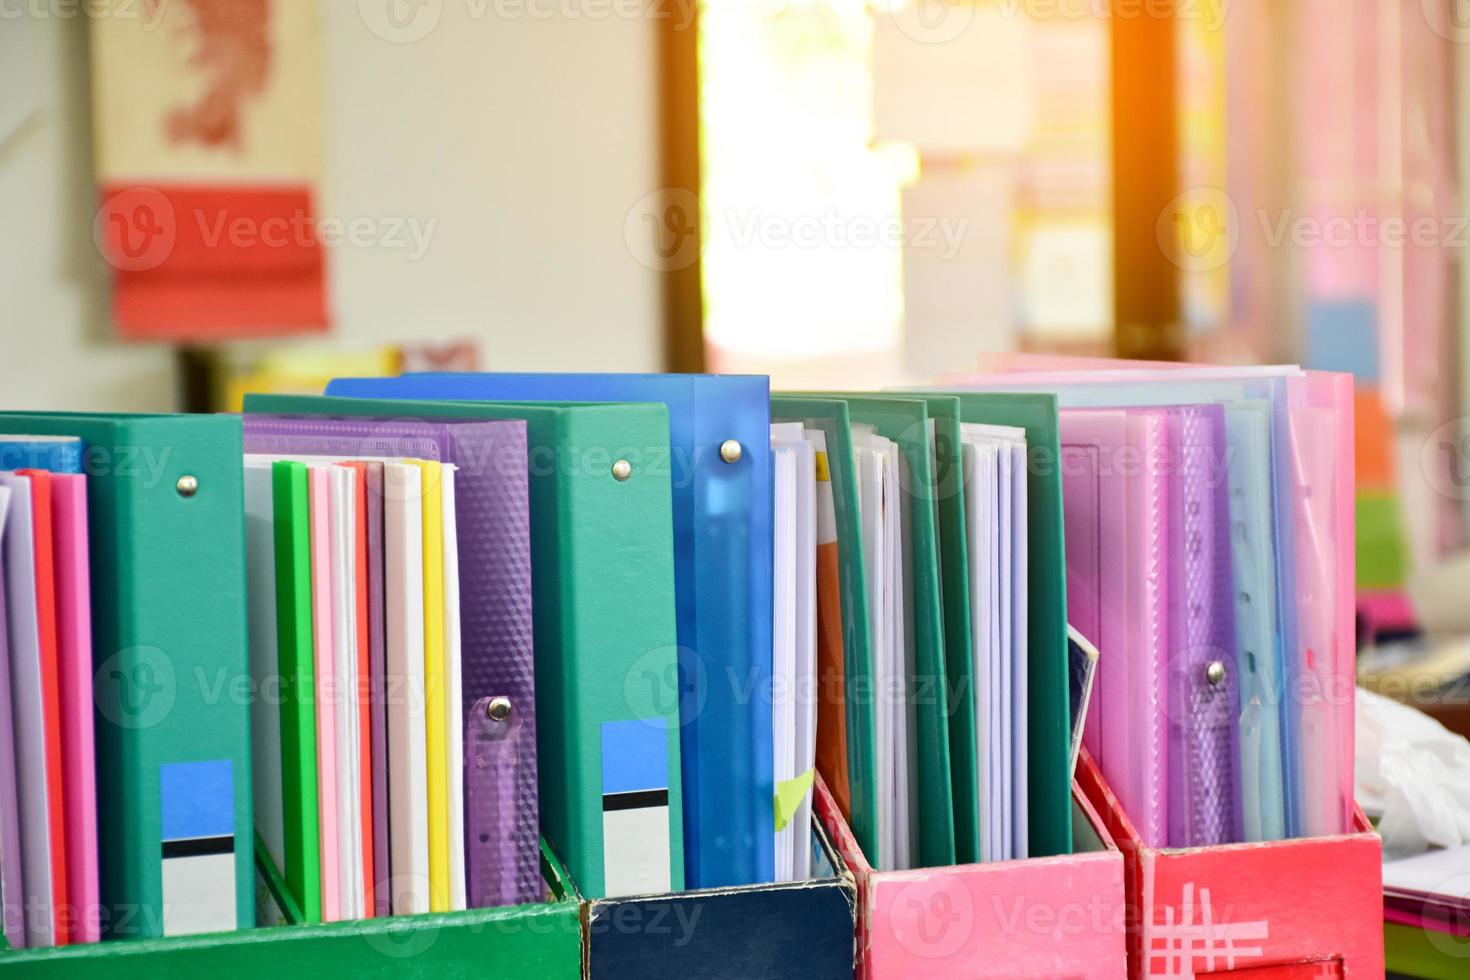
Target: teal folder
602, 580
832, 417
948, 490
906, 423
1049, 774
167, 533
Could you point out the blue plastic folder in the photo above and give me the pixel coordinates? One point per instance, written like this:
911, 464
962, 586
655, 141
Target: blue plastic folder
719, 463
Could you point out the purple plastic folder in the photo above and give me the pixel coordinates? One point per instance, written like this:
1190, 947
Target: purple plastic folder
1203, 681
502, 848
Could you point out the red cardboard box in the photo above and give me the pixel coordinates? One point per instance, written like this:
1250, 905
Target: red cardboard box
1284, 910
1044, 917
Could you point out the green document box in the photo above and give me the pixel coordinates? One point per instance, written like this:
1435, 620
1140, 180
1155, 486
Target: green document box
521, 941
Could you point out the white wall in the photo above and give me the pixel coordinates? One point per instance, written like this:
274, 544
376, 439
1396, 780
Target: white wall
526, 140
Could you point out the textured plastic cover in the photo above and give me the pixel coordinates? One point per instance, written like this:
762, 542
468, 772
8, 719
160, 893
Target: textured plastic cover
1203, 705
493, 521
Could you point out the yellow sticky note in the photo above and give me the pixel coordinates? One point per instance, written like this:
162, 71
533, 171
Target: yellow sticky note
789, 795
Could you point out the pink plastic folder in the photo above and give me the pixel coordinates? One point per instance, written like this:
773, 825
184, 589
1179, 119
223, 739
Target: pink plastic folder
1312, 442
1322, 673
1115, 496
11, 881
79, 765
326, 742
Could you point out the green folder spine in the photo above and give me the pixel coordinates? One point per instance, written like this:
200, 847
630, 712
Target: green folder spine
169, 647
832, 417
1049, 709
602, 571
298, 686
906, 423
954, 575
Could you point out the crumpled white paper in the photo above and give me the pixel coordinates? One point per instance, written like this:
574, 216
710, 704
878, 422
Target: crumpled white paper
1415, 774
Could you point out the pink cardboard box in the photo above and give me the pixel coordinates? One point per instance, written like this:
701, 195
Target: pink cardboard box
1045, 917
1285, 910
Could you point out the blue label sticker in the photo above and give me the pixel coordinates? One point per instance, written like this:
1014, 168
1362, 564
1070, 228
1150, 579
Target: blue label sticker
635, 756
198, 799
636, 857
198, 866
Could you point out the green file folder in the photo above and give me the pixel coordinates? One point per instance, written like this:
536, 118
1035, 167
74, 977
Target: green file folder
1049, 775
831, 416
167, 527
959, 663
906, 423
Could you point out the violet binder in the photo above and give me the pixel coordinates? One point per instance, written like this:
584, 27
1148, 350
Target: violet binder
501, 858
1203, 680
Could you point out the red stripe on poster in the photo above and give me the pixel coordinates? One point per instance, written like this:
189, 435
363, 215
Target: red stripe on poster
200, 262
